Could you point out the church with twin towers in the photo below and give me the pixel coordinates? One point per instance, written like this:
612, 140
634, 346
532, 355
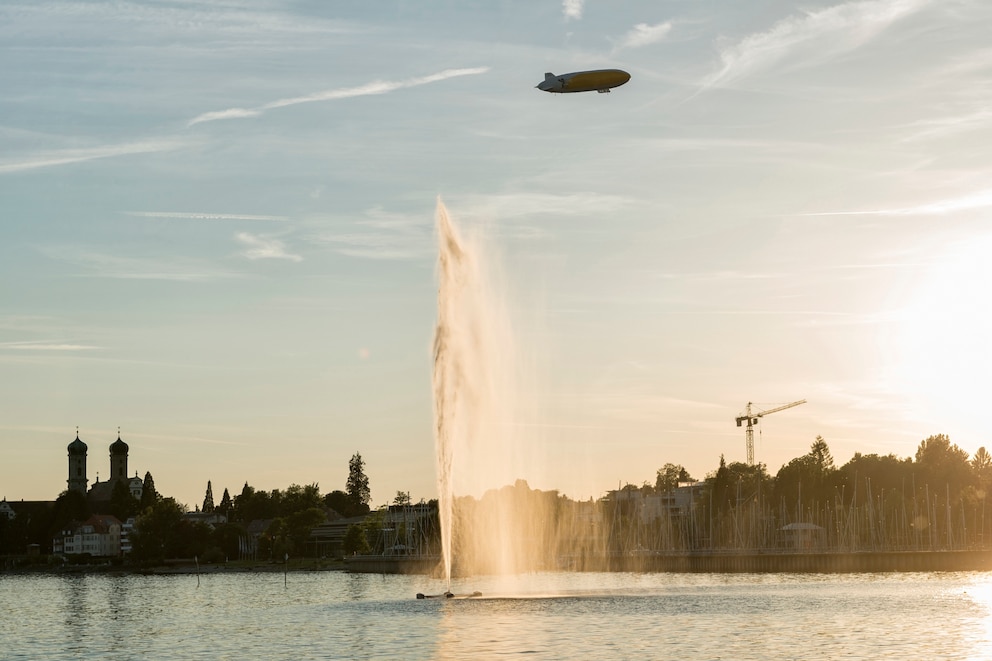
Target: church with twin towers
101, 491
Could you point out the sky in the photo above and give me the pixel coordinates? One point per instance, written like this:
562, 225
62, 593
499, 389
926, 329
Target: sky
217, 233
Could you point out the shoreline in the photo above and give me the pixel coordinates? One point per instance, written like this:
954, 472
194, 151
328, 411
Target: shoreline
177, 568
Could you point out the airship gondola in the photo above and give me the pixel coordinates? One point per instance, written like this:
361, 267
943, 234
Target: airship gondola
601, 80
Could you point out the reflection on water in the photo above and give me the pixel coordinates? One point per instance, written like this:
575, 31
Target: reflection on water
334, 615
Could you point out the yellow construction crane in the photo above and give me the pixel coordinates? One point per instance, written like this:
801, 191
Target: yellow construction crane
751, 418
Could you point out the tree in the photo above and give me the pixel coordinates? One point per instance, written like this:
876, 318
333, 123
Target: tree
242, 503
70, 506
866, 476
402, 498
155, 532
300, 498
358, 485
122, 504
981, 463
736, 483
808, 479
821, 456
252, 505
339, 501
669, 476
208, 500
272, 543
355, 541
941, 463
298, 527
226, 537
149, 496
225, 504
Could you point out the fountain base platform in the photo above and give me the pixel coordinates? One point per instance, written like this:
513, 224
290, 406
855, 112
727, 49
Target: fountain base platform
448, 595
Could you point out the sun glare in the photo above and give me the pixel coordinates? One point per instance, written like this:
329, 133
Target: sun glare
944, 362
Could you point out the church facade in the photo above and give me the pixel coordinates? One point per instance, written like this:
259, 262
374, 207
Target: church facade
101, 492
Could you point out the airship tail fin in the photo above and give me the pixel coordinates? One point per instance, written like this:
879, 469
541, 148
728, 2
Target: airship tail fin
549, 76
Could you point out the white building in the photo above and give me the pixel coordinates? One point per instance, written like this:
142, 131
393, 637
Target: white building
126, 529
99, 536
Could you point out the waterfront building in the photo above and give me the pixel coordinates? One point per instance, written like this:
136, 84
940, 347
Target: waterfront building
99, 536
126, 529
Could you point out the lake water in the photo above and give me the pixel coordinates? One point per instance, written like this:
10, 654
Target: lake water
335, 615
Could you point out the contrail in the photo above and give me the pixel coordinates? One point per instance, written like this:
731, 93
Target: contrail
368, 89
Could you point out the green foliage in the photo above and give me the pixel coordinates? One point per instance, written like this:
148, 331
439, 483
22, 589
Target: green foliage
372, 527
226, 504
149, 495
226, 537
942, 464
867, 475
355, 541
252, 504
807, 480
669, 476
981, 465
298, 527
122, 504
737, 483
300, 498
820, 454
208, 499
69, 506
158, 532
357, 486
340, 502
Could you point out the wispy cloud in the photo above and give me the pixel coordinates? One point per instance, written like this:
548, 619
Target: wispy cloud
51, 158
643, 34
186, 215
45, 346
944, 126
375, 87
810, 38
261, 247
977, 200
230, 113
572, 9
507, 206
383, 235
718, 276
101, 265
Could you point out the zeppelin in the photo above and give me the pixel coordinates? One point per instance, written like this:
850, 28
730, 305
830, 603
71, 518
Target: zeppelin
601, 81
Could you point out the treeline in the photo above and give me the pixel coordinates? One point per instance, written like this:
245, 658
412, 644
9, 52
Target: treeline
164, 531
162, 528
935, 499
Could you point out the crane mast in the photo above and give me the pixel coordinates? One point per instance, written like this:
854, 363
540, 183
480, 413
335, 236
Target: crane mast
752, 417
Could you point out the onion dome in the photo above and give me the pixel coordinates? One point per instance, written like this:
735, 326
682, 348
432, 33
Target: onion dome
118, 446
77, 447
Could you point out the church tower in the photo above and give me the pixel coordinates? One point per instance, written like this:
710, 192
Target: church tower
118, 459
77, 466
